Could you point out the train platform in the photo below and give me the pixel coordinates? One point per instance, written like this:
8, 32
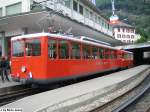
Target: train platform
6, 83
85, 95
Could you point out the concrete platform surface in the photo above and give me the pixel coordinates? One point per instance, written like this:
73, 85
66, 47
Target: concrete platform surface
8, 83
37, 102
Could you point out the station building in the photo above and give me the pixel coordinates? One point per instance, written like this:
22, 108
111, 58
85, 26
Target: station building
80, 17
125, 33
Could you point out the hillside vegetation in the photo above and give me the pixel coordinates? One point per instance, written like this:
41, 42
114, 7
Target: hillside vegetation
133, 12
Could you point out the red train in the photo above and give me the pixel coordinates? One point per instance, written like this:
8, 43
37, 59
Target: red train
44, 58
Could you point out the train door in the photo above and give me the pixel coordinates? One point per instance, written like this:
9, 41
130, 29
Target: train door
34, 57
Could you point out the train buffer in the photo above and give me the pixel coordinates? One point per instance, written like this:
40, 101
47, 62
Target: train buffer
83, 96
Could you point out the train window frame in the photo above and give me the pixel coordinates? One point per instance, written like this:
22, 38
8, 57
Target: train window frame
101, 53
107, 53
92, 52
23, 48
112, 54
89, 48
55, 54
68, 42
26, 50
75, 57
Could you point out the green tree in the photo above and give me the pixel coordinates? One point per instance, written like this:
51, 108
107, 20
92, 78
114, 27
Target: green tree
144, 36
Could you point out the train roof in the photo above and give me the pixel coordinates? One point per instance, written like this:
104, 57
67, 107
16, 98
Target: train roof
83, 39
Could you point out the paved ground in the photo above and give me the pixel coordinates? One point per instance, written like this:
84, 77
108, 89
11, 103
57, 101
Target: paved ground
7, 83
55, 97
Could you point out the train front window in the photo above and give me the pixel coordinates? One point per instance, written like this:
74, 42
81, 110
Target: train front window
33, 47
18, 48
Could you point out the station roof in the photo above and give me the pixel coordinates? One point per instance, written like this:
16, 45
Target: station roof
37, 21
121, 24
143, 46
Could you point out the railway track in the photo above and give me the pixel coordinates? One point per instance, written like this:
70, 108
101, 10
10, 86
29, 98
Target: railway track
126, 102
138, 103
10, 94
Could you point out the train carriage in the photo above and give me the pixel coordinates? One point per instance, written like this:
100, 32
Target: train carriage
44, 58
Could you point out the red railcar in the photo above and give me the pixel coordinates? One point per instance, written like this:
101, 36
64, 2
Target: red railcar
45, 58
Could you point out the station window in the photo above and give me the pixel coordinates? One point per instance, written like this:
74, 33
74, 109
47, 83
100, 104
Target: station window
35, 6
127, 30
91, 15
132, 30
0, 12
63, 49
106, 25
67, 3
123, 36
99, 20
119, 35
13, 9
101, 51
87, 13
52, 49
86, 52
75, 50
102, 23
75, 6
94, 52
18, 48
80, 9
123, 30
132, 41
33, 47
128, 36
132, 36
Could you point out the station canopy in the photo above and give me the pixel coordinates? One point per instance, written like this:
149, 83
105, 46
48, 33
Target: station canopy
39, 21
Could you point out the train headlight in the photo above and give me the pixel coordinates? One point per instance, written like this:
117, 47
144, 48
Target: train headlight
30, 75
9, 63
23, 69
17, 74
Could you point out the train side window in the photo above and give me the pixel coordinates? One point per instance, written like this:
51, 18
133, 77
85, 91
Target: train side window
63, 49
33, 47
106, 54
52, 49
124, 56
94, 52
75, 50
101, 53
112, 54
115, 55
86, 52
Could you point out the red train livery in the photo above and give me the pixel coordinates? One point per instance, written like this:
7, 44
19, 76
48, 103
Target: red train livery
44, 58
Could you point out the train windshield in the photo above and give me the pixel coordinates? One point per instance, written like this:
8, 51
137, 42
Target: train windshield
26, 47
33, 47
18, 48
